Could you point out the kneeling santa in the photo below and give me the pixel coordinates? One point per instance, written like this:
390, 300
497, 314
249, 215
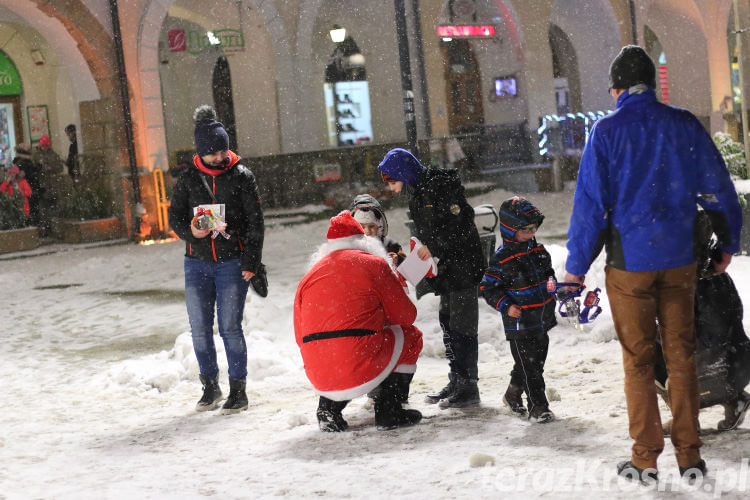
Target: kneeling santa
353, 323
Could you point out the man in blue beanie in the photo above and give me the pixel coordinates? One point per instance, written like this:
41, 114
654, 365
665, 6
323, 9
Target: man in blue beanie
444, 223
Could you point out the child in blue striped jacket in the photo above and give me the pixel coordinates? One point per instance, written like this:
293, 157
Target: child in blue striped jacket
515, 284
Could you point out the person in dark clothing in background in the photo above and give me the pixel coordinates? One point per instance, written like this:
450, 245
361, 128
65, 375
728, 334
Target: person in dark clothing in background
55, 186
215, 209
515, 284
72, 160
444, 224
722, 353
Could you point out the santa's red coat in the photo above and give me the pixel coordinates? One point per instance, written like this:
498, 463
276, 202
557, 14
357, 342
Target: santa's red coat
342, 312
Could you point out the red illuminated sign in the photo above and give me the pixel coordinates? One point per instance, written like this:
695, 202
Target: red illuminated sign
177, 40
465, 31
664, 84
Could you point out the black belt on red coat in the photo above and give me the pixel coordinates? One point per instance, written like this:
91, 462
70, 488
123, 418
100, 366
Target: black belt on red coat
352, 332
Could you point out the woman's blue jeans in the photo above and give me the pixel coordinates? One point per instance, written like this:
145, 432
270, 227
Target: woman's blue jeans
211, 284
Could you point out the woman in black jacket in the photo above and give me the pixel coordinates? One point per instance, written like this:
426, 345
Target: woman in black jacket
444, 223
215, 209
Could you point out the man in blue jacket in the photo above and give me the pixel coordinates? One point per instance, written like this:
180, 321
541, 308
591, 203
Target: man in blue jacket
644, 169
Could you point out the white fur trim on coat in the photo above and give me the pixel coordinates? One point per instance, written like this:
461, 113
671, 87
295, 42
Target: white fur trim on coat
361, 242
353, 392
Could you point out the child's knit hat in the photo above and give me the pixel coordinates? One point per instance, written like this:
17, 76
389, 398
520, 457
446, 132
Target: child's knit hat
516, 213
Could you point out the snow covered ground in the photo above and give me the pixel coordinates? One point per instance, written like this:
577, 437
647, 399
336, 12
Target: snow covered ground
99, 383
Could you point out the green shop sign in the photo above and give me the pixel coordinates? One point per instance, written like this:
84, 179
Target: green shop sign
228, 39
10, 80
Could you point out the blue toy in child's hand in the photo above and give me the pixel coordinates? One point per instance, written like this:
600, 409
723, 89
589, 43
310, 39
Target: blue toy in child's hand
570, 306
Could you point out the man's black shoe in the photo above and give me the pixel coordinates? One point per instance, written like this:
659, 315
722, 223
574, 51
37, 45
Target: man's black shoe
694, 472
633, 473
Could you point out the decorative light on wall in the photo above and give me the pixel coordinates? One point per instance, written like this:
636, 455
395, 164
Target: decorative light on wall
337, 33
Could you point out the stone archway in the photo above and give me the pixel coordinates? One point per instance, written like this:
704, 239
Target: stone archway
592, 29
565, 67
85, 54
81, 42
680, 28
149, 31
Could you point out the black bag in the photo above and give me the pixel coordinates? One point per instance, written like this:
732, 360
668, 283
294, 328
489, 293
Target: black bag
260, 281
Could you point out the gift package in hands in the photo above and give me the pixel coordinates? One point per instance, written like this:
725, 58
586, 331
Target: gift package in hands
211, 217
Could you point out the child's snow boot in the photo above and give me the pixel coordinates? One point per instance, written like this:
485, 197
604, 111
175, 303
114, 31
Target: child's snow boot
666, 427
211, 394
237, 399
541, 415
663, 391
443, 393
466, 393
734, 413
513, 400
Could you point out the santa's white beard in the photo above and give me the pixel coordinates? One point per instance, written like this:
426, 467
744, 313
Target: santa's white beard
369, 244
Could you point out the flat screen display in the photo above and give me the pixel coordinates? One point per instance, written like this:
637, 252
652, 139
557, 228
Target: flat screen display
505, 87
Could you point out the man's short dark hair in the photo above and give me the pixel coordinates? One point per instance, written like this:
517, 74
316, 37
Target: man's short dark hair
70, 128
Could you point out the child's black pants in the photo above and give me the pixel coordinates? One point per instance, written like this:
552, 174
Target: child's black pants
529, 355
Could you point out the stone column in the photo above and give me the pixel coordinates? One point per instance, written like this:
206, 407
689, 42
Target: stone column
103, 137
742, 26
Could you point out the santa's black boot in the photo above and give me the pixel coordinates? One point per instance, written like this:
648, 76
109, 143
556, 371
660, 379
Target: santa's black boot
237, 399
403, 382
388, 411
211, 394
329, 415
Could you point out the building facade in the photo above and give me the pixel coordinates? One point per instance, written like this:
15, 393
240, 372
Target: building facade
281, 84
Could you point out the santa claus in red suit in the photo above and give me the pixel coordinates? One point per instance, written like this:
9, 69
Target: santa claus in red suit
353, 324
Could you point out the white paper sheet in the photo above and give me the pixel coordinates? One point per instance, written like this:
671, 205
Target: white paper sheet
414, 269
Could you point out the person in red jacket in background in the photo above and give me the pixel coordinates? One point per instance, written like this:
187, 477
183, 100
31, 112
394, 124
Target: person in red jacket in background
353, 323
14, 178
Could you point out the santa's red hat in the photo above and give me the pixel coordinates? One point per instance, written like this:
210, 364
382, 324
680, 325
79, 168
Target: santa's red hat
344, 226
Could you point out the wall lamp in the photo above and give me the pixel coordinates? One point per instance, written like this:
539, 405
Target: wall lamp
338, 34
